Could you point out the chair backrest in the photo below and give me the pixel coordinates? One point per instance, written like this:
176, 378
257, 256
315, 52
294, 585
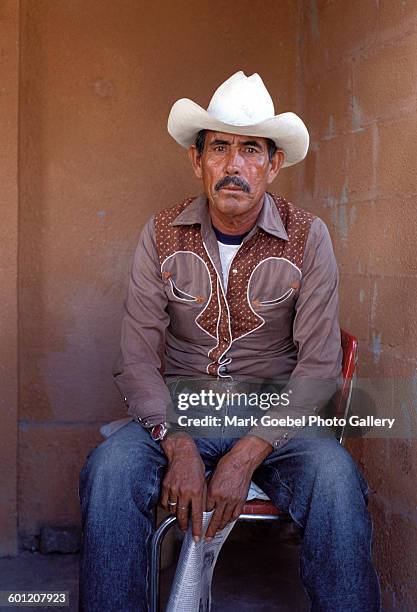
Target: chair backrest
350, 355
349, 362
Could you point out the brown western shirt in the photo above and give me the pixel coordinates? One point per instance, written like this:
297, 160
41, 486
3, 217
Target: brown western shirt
278, 318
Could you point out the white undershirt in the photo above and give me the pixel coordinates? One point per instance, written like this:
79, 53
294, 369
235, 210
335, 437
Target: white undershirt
227, 252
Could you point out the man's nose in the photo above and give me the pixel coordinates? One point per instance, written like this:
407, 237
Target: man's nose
233, 162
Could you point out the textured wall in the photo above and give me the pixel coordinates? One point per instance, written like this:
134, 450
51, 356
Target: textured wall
359, 81
98, 80
9, 54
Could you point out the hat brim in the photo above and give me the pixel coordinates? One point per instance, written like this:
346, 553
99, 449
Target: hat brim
287, 130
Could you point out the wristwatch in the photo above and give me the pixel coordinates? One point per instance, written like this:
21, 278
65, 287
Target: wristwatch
158, 432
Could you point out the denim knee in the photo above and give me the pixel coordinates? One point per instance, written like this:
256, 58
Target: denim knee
334, 466
103, 470
122, 466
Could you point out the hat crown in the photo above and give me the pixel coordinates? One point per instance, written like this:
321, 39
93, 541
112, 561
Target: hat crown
241, 100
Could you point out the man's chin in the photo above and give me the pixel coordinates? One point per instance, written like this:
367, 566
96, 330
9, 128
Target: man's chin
228, 200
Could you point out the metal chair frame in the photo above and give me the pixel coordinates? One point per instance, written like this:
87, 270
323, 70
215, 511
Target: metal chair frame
260, 510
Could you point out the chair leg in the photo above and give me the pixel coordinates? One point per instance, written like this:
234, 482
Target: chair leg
156, 545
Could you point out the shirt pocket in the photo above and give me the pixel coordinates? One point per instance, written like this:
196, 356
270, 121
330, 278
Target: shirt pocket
274, 285
181, 295
188, 289
186, 278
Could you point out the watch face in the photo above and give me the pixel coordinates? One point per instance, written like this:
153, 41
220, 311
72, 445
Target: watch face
158, 432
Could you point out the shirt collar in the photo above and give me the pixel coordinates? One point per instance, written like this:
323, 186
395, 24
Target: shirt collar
268, 219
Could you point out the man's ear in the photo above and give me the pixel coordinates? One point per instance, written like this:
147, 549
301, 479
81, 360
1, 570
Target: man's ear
275, 167
195, 159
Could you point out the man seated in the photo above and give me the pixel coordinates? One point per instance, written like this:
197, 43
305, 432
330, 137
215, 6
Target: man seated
228, 289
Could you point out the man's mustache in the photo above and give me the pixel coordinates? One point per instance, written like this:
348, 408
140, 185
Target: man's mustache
232, 180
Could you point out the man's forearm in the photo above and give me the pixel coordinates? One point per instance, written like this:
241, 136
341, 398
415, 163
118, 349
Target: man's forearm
138, 369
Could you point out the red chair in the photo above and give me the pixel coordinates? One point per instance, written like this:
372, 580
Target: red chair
259, 509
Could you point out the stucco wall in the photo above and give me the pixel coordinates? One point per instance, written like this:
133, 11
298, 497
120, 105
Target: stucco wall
97, 81
359, 82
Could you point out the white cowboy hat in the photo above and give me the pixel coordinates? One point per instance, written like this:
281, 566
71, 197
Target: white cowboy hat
241, 105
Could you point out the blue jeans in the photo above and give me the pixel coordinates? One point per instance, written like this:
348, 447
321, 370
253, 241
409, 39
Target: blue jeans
314, 479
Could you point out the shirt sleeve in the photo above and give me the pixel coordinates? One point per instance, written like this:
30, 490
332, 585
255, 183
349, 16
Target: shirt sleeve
138, 368
316, 335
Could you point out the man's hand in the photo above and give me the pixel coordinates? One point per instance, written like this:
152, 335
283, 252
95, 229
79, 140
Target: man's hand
230, 482
184, 483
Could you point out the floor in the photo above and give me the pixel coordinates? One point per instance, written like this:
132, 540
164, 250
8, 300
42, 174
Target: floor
257, 571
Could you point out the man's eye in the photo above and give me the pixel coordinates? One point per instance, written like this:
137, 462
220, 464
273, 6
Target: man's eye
219, 148
250, 150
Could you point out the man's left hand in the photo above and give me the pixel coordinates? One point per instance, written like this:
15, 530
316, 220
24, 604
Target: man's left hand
230, 482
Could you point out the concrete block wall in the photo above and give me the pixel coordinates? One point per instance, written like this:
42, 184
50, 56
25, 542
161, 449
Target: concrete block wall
358, 69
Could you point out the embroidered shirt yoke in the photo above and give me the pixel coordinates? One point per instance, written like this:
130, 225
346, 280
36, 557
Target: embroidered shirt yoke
277, 319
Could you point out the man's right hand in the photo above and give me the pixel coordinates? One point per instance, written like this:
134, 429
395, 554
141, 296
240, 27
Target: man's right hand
184, 484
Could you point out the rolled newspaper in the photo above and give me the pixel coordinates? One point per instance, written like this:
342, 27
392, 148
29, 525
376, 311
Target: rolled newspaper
191, 587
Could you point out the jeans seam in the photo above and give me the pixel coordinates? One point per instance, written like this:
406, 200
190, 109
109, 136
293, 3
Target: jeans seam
155, 484
281, 481
290, 511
